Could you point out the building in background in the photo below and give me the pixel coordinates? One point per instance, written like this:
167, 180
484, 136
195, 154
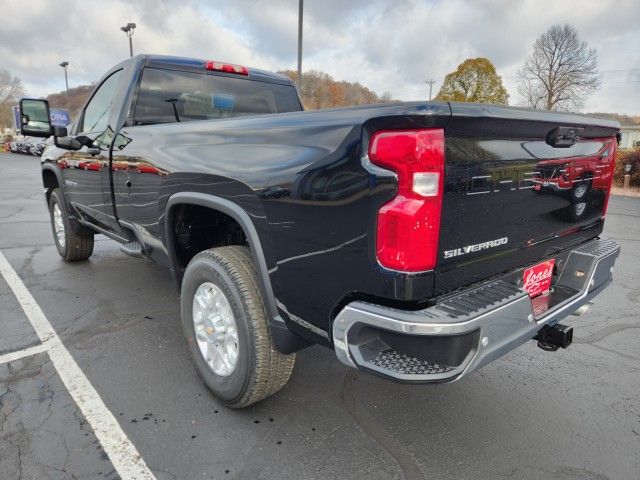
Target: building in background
630, 137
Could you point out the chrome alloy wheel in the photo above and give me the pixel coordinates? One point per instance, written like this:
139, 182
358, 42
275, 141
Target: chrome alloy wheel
580, 190
216, 330
58, 224
580, 208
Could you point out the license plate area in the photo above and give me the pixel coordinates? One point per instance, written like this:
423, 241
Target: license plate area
537, 279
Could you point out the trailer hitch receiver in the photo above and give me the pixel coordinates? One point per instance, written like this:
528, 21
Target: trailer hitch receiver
550, 338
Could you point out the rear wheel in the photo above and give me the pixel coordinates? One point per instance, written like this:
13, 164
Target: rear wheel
225, 324
71, 245
579, 192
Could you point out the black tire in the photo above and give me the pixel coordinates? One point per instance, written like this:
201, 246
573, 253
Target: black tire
580, 192
77, 246
260, 370
576, 211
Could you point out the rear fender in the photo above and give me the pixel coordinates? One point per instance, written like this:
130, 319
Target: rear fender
285, 341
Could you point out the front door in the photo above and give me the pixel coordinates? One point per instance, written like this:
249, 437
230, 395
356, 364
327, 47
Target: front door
86, 171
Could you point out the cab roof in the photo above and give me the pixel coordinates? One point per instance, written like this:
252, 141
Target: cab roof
198, 65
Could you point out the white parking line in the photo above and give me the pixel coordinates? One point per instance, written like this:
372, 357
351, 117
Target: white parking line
124, 456
25, 352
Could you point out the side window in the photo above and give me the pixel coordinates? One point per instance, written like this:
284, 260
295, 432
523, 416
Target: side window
96, 115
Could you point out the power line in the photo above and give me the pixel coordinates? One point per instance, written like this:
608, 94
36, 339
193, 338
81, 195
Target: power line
620, 83
621, 70
415, 90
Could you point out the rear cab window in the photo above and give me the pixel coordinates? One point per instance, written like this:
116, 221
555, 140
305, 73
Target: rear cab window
168, 96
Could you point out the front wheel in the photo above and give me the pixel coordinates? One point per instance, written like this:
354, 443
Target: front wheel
225, 324
72, 246
576, 211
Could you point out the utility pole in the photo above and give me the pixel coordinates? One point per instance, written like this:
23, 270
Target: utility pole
430, 83
128, 29
300, 8
64, 65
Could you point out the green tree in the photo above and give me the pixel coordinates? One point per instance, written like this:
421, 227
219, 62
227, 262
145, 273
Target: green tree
475, 80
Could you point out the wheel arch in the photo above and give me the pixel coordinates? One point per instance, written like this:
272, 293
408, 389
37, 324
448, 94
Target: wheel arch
285, 340
52, 178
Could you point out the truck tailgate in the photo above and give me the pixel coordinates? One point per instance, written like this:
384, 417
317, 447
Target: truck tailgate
514, 194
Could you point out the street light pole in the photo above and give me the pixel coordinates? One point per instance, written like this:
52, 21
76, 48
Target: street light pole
300, 8
64, 65
128, 29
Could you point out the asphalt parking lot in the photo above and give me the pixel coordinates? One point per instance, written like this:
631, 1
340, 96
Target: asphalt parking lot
572, 414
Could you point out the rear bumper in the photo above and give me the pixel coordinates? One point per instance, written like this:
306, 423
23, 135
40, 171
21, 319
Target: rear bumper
466, 330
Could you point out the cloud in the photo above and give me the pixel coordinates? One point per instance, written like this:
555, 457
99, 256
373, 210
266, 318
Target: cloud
386, 46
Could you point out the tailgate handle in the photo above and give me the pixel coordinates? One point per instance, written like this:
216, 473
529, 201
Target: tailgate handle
563, 137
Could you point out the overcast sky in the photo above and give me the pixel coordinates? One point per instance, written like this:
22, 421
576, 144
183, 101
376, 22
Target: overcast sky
386, 45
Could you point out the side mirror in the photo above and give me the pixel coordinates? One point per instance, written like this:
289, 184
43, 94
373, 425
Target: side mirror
67, 143
34, 118
61, 139
59, 131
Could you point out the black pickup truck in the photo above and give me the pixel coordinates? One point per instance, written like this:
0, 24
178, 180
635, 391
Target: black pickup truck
420, 241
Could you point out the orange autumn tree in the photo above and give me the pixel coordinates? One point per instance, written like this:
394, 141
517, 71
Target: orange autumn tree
320, 90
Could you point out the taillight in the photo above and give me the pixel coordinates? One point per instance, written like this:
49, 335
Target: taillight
409, 225
225, 67
609, 175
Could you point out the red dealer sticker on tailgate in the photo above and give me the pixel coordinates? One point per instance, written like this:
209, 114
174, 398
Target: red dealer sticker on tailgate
537, 279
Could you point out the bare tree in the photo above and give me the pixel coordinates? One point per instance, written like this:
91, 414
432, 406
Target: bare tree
561, 72
11, 90
386, 97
